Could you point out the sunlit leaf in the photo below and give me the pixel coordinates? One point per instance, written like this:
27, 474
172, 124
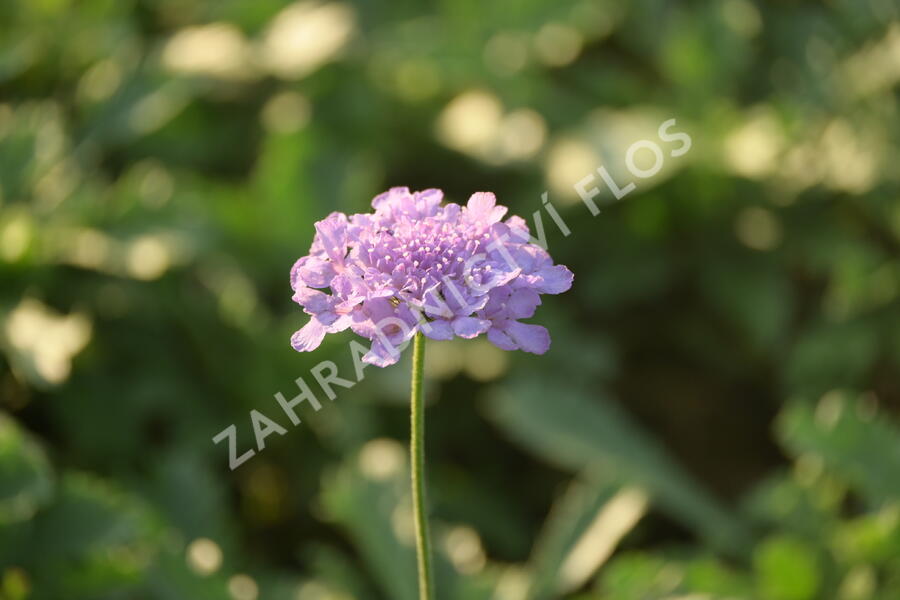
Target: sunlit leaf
581, 532
788, 569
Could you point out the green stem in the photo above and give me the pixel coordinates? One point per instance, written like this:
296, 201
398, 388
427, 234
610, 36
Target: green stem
417, 462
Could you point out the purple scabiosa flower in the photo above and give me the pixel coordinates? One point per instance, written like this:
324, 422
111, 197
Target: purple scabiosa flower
415, 265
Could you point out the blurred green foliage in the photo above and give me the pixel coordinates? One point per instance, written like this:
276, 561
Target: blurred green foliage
716, 417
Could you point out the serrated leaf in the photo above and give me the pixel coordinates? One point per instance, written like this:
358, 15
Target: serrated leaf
861, 447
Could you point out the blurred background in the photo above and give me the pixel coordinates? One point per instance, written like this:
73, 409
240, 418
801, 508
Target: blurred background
717, 416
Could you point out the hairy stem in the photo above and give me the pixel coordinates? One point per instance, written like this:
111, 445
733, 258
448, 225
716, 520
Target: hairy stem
417, 462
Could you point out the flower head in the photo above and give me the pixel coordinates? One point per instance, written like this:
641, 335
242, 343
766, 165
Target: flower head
417, 265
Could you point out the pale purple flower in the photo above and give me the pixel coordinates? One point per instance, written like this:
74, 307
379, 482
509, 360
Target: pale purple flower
416, 265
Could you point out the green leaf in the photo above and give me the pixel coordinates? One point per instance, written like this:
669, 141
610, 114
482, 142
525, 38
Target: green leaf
92, 540
584, 527
577, 432
364, 502
369, 497
873, 538
640, 576
832, 355
26, 479
855, 442
787, 569
709, 576
336, 571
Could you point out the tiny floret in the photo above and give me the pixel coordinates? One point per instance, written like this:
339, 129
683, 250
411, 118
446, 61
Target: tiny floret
416, 265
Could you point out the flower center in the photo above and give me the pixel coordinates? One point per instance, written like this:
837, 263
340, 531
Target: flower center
418, 254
